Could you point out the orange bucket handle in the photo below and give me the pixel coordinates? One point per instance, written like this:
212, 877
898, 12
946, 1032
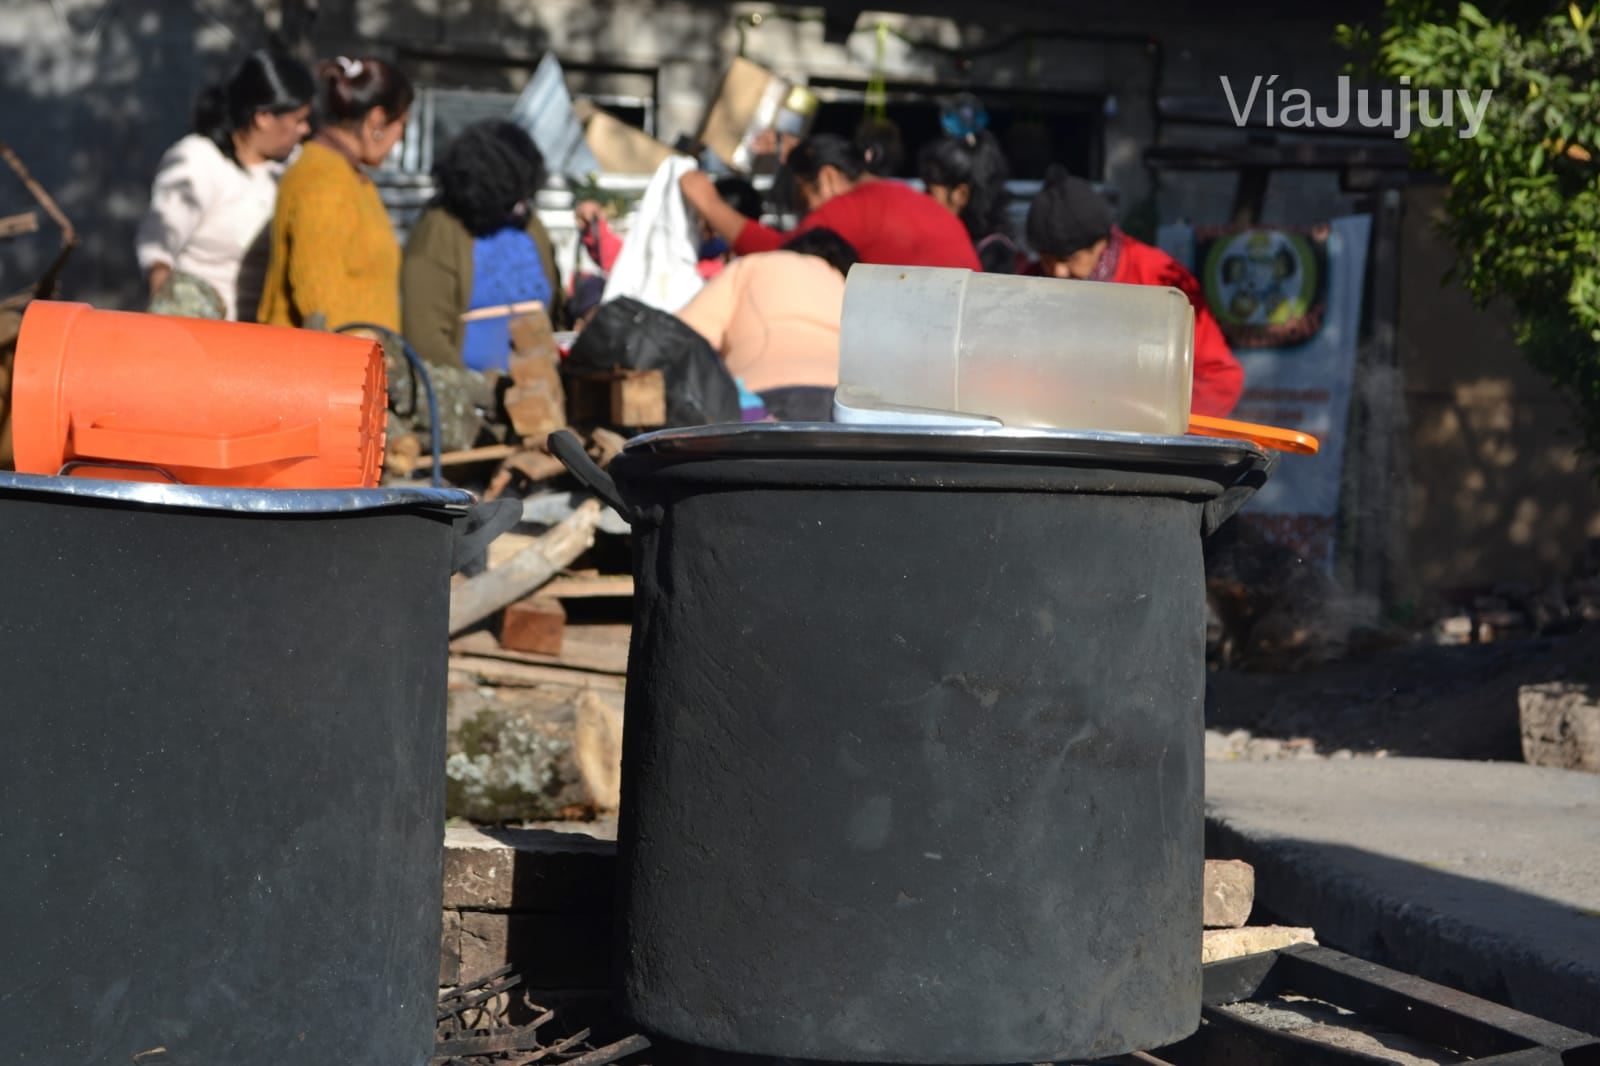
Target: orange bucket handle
1275, 437
209, 451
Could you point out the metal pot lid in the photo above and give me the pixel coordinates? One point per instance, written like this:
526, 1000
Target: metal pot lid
799, 440
266, 502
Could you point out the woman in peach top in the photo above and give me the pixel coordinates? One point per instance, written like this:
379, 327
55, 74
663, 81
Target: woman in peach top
774, 316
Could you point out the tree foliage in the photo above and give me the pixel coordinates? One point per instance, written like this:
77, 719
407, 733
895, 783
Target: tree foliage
1523, 207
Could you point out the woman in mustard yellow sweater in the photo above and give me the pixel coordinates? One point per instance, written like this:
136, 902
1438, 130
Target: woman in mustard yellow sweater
334, 252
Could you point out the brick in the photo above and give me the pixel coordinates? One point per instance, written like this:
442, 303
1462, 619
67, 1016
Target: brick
639, 400
450, 950
567, 951
527, 870
1219, 944
534, 624
534, 354
536, 409
1230, 893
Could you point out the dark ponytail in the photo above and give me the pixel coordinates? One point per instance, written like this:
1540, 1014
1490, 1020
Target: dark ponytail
351, 88
881, 147
976, 161
265, 81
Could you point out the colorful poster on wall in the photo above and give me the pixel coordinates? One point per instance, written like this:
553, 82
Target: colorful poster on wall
1289, 301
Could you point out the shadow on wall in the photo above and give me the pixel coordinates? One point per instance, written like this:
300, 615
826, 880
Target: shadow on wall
1497, 493
95, 93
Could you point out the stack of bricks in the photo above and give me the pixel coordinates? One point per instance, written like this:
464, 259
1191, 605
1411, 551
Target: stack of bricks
538, 901
1230, 896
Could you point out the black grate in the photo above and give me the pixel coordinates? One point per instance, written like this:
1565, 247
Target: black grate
1450, 1026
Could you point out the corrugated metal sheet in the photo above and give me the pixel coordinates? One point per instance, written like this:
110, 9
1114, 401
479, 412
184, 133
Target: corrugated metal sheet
545, 110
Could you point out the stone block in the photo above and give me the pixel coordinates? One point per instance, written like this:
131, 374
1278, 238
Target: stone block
527, 870
1219, 944
1230, 893
1560, 725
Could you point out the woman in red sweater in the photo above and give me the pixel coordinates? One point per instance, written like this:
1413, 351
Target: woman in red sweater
886, 221
1074, 232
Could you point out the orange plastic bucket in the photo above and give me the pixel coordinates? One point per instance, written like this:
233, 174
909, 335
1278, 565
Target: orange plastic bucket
137, 397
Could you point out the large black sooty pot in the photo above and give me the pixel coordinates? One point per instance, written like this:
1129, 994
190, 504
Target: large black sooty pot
912, 764
224, 770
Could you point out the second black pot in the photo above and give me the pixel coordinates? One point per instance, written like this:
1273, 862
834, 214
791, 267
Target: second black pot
913, 756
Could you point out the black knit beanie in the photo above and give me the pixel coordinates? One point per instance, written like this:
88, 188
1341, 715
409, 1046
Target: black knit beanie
1067, 215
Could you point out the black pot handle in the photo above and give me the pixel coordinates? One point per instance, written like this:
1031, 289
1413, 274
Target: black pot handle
482, 524
565, 445
1227, 505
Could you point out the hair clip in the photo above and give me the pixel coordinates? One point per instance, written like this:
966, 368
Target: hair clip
964, 123
352, 68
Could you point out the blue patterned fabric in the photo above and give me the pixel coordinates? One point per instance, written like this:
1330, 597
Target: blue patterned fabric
506, 269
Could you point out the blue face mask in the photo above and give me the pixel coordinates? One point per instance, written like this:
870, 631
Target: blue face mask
715, 248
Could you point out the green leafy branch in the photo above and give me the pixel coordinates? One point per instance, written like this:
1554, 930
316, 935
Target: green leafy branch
1523, 205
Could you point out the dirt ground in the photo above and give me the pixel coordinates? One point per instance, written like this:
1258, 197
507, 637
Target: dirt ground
1426, 700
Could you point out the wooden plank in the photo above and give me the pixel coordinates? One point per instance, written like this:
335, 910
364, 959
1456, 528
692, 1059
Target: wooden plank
597, 747
503, 311
479, 597
600, 649
530, 675
18, 224
506, 545
487, 453
578, 588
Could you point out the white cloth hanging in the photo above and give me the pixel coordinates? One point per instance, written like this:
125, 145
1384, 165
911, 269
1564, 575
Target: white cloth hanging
659, 258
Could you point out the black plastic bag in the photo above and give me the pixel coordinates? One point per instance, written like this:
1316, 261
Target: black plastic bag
635, 336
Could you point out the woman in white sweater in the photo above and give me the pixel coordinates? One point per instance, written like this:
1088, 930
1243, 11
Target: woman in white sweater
211, 205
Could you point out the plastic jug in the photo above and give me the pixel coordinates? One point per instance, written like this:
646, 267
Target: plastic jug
135, 397
932, 344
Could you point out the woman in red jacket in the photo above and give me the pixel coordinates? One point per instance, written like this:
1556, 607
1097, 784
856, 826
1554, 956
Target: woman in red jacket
1073, 230
887, 222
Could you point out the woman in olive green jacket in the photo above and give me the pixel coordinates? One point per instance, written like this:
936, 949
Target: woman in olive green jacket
487, 179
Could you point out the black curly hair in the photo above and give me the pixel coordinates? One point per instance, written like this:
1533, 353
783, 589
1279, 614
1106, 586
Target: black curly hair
487, 175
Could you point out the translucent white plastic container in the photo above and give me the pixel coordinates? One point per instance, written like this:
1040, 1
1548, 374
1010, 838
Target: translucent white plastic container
930, 344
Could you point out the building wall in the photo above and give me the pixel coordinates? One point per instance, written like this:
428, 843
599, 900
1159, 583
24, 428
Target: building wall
94, 97
91, 94
95, 90
1497, 490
